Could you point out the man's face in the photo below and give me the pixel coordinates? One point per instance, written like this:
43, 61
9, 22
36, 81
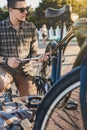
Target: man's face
19, 11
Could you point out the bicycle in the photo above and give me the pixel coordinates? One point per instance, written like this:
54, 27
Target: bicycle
37, 99
43, 82
58, 46
55, 112
33, 101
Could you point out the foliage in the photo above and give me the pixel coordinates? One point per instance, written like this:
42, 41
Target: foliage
77, 6
83, 12
40, 12
37, 16
3, 13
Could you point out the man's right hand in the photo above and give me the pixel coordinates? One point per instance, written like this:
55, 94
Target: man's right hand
13, 62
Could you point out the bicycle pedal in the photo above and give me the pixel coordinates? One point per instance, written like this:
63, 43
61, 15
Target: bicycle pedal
71, 105
7, 97
34, 101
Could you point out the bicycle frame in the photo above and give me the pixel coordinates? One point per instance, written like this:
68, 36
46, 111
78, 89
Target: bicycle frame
56, 61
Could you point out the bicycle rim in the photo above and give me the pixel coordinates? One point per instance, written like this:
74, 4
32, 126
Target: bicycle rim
55, 116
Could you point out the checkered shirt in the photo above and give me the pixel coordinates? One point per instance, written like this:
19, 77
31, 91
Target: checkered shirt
17, 43
21, 43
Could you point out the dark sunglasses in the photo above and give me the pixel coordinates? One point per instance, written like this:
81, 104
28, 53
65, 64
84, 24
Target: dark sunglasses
22, 9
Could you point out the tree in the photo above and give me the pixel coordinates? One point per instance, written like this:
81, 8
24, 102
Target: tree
82, 8
40, 10
3, 13
40, 13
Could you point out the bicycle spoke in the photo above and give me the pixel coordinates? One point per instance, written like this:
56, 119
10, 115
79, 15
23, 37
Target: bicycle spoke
64, 119
74, 123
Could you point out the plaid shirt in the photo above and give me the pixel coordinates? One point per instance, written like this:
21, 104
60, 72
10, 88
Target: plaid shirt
19, 43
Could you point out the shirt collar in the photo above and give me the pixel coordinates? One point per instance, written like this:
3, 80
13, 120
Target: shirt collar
9, 25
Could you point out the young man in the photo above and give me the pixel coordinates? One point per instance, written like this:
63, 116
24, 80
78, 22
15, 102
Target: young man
18, 40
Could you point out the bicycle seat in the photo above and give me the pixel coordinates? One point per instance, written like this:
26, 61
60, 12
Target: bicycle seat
61, 13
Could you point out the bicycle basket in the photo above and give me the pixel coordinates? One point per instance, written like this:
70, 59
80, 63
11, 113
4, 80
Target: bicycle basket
80, 30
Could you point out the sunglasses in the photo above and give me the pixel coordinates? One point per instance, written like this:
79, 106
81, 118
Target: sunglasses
22, 9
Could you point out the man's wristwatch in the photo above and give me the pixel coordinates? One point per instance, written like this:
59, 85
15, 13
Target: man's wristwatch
4, 60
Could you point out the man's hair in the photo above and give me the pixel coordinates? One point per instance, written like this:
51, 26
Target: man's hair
11, 3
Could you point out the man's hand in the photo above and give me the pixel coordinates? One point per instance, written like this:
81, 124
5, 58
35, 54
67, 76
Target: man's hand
44, 57
13, 62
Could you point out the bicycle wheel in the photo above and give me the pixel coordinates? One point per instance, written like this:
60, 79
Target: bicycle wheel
53, 113
83, 90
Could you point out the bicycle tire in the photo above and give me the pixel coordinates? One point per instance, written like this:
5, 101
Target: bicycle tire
83, 90
45, 120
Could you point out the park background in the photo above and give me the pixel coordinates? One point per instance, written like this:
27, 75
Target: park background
36, 13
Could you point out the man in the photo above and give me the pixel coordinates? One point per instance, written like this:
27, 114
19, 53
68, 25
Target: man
18, 40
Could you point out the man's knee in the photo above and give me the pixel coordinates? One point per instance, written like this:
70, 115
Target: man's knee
4, 83
5, 80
